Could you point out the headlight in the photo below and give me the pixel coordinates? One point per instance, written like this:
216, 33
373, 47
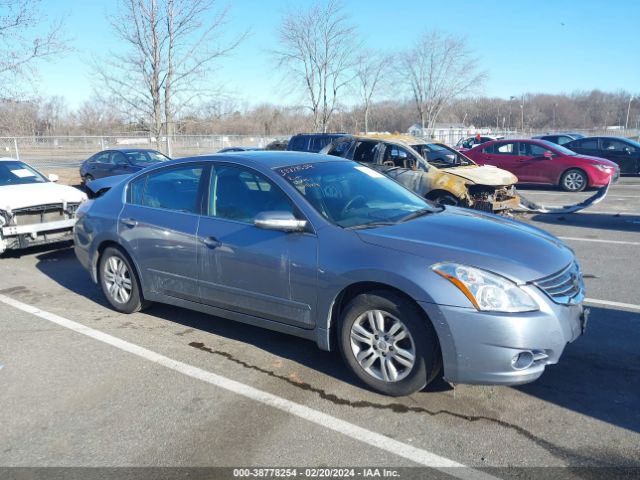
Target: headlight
604, 168
486, 291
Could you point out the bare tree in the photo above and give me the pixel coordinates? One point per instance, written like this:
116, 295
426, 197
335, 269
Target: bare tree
171, 46
316, 55
437, 69
372, 69
20, 45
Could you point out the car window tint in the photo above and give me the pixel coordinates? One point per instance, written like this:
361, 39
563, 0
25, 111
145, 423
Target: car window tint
365, 152
614, 145
172, 189
117, 158
505, 149
340, 149
587, 143
563, 139
298, 143
102, 157
534, 150
239, 194
488, 150
137, 157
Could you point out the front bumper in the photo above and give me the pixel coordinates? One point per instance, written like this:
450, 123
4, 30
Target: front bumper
13, 237
480, 347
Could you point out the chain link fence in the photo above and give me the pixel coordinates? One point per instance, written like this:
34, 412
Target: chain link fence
70, 151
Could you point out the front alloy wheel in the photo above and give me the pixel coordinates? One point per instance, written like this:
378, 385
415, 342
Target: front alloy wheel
573, 180
383, 346
388, 343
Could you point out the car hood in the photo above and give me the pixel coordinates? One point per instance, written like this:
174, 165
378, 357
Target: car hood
33, 194
512, 249
484, 175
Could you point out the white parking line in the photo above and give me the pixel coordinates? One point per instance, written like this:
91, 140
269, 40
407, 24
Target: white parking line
417, 455
597, 240
608, 303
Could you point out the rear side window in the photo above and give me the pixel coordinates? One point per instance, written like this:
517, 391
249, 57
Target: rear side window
587, 143
102, 157
174, 189
488, 150
505, 149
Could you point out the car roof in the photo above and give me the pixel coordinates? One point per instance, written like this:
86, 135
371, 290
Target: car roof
269, 159
128, 150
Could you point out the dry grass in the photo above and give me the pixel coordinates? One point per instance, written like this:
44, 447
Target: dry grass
68, 176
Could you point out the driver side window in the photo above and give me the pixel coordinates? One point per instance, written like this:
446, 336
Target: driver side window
240, 194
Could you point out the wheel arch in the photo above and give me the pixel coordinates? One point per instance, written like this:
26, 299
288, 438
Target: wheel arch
349, 292
100, 251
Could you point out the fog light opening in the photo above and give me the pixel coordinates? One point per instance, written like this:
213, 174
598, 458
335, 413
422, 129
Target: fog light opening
522, 360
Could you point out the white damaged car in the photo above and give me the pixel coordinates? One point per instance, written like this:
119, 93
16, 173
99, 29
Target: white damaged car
34, 210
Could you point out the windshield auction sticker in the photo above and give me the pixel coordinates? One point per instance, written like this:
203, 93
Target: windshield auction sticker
23, 173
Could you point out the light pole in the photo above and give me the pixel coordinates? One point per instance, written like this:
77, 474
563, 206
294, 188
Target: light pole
522, 114
511, 98
626, 123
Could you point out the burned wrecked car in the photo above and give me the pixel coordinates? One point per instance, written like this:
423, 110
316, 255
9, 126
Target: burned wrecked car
34, 210
432, 170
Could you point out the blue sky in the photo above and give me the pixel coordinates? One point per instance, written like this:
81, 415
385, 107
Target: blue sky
552, 46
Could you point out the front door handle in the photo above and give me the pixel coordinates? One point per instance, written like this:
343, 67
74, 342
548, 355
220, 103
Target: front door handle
129, 222
211, 242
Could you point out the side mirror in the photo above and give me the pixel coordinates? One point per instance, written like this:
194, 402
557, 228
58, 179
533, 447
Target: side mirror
547, 155
53, 177
282, 221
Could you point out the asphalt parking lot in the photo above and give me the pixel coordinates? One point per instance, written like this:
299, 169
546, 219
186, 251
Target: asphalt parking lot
81, 385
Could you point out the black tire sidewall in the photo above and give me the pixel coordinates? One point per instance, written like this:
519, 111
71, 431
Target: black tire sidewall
574, 170
135, 302
427, 352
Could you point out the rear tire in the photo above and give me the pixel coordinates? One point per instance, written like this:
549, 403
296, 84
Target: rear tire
388, 343
119, 281
574, 180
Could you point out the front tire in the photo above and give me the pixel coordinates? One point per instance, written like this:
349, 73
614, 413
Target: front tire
574, 180
388, 343
119, 281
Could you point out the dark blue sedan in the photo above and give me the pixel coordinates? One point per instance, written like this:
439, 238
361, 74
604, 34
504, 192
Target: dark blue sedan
119, 161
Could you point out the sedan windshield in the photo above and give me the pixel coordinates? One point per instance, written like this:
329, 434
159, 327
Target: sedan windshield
17, 173
354, 196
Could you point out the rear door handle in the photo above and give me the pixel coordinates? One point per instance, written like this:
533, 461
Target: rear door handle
211, 242
129, 222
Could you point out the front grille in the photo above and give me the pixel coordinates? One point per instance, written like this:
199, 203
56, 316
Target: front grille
564, 287
52, 212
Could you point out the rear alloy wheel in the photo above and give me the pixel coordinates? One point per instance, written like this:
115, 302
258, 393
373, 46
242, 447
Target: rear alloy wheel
119, 282
573, 180
388, 343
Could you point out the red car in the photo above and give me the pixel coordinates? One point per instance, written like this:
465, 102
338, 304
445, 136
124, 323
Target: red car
539, 161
